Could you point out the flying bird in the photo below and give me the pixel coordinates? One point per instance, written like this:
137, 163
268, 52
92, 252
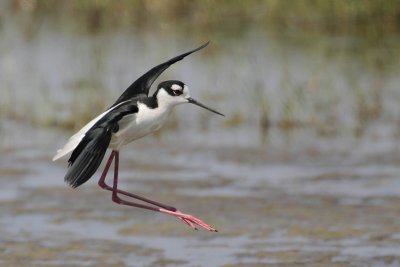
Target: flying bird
134, 115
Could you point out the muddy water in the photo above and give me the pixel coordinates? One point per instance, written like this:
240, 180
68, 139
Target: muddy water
283, 208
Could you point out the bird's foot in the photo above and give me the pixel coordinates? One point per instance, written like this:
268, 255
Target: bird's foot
189, 219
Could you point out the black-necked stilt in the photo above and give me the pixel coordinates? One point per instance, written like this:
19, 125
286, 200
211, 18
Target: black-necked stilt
132, 116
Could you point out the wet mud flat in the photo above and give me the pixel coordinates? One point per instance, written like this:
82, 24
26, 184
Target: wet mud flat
271, 209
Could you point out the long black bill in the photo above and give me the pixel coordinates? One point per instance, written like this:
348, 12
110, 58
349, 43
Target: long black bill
191, 100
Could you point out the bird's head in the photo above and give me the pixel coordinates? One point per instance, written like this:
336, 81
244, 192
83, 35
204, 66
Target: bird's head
175, 92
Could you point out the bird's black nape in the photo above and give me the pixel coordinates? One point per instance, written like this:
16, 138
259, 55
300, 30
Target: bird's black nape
143, 84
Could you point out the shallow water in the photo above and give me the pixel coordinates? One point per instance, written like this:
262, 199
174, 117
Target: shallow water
333, 209
323, 193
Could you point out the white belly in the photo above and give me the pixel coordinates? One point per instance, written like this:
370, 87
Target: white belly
135, 126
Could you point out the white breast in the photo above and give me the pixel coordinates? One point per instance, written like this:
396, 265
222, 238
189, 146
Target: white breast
145, 121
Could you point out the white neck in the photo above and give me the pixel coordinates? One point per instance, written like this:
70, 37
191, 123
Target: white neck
166, 101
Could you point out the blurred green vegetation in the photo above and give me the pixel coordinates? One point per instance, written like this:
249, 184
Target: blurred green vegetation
370, 18
351, 48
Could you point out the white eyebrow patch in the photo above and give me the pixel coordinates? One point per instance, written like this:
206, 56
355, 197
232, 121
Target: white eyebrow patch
176, 87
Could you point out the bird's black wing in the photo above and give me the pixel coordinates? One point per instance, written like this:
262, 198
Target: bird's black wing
143, 84
87, 156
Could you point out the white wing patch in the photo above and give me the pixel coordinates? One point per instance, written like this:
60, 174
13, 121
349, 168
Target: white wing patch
74, 140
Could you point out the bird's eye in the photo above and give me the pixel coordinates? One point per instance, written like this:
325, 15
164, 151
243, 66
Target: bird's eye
177, 92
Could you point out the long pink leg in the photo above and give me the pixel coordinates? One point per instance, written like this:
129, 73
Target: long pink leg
105, 186
186, 218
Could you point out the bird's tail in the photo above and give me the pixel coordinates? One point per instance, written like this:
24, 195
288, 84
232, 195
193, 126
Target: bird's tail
87, 156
